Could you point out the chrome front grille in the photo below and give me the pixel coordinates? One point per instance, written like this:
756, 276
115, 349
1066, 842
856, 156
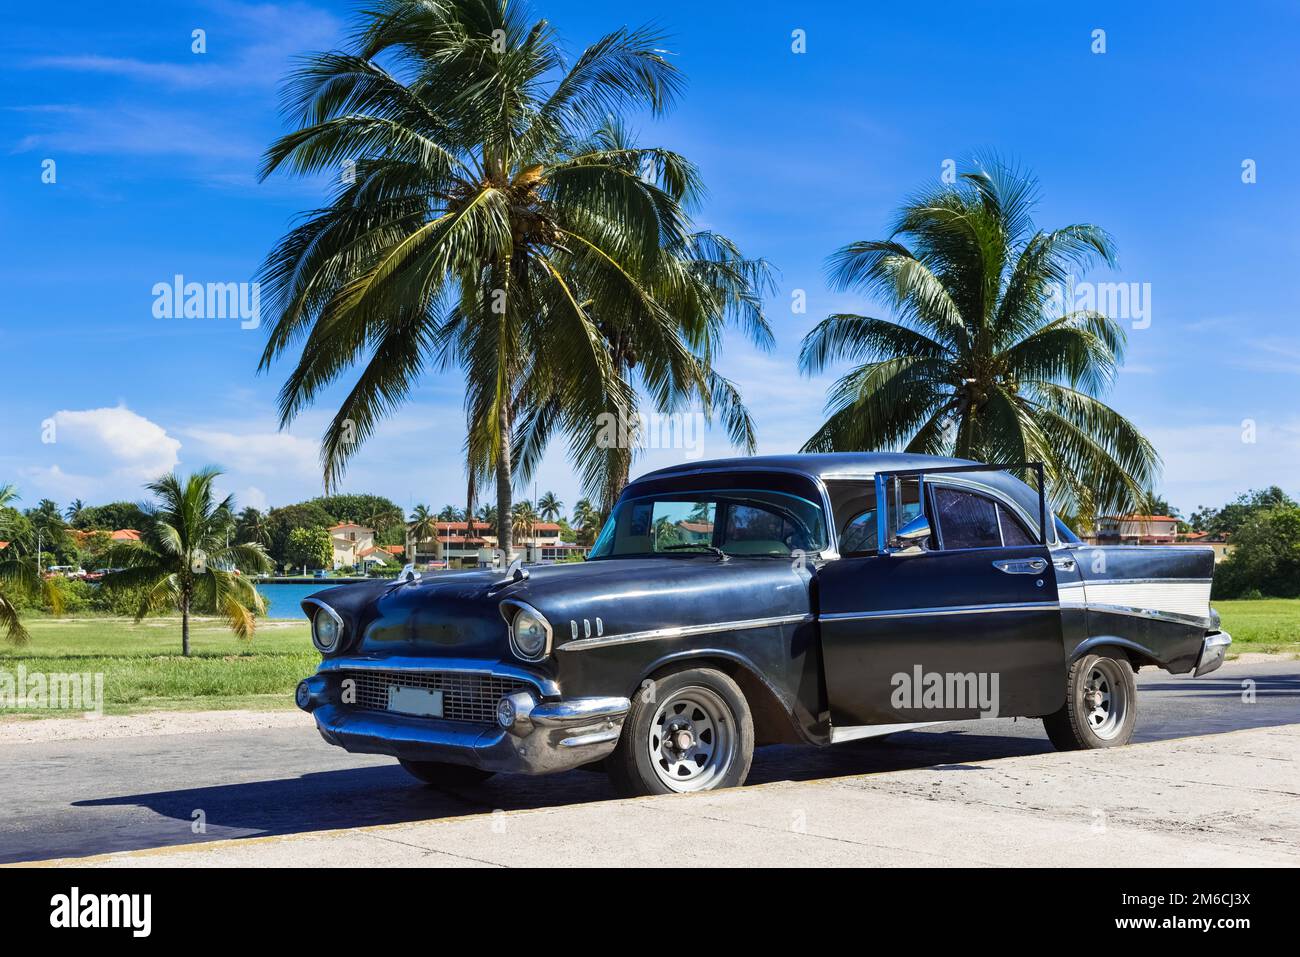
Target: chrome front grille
467, 697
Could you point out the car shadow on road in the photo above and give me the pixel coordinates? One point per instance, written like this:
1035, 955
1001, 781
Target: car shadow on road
385, 794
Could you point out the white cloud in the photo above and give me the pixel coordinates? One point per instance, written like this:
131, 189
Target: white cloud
1211, 464
277, 454
116, 440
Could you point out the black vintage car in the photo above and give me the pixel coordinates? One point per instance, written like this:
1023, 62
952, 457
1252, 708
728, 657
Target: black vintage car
736, 603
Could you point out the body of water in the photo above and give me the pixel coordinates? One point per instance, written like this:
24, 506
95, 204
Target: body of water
283, 601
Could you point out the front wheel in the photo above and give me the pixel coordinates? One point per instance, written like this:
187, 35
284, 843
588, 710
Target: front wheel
688, 730
1100, 709
441, 774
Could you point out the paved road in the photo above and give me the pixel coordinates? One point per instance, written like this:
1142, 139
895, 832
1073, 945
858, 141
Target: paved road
78, 798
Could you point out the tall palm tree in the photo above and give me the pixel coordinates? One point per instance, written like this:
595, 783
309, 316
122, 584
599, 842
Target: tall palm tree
977, 363
423, 525
74, 509
549, 507
182, 561
661, 348
476, 227
20, 577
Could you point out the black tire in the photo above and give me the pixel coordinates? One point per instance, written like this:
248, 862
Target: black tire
440, 774
714, 715
1080, 724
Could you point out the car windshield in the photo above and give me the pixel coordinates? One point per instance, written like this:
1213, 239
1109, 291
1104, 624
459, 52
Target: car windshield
740, 522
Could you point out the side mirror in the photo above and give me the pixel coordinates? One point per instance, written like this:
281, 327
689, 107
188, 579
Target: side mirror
913, 535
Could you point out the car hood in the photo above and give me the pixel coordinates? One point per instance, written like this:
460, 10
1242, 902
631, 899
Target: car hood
460, 614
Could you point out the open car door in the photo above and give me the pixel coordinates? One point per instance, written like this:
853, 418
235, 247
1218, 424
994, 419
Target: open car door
943, 604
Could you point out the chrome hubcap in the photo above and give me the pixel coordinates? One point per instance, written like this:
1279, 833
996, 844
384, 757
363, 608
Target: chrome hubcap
1104, 704
692, 740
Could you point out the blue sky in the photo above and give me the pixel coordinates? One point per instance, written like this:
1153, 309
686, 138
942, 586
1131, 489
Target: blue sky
155, 149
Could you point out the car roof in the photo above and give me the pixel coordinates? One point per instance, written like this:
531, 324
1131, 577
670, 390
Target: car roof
822, 465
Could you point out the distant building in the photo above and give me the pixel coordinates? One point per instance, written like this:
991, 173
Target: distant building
351, 542
475, 544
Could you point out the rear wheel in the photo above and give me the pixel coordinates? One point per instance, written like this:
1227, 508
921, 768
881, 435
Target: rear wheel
691, 730
1100, 709
440, 774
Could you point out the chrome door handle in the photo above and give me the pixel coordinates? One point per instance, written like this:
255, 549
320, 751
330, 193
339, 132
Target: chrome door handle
1021, 566
1064, 564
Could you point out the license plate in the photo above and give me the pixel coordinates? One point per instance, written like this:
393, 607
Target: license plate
417, 701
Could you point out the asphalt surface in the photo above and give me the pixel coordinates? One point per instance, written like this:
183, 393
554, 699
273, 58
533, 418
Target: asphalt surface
85, 797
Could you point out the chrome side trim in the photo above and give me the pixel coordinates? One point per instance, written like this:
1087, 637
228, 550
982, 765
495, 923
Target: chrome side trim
1170, 616
859, 731
991, 609
1099, 580
681, 631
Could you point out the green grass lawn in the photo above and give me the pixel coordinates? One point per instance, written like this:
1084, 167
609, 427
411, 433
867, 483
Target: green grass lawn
144, 670
1268, 625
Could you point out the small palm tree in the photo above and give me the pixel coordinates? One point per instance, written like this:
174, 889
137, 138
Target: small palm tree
182, 561
523, 519
977, 363
252, 526
423, 525
549, 507
19, 576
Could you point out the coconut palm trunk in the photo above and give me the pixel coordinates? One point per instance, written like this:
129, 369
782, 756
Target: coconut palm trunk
505, 480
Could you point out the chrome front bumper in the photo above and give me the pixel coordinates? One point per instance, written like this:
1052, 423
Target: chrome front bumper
1213, 650
545, 736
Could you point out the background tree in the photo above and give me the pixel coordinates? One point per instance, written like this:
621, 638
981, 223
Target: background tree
1265, 556
310, 548
449, 513
524, 518
1227, 520
485, 227
19, 577
182, 560
253, 526
111, 517
587, 520
424, 526
549, 507
74, 510
979, 361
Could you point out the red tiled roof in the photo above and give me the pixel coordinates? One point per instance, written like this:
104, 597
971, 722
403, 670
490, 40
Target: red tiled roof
1139, 518
348, 525
486, 526
126, 535
394, 549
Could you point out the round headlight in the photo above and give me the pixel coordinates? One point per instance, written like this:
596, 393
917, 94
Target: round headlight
530, 634
325, 630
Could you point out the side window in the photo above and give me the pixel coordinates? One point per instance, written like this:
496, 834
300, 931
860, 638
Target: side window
756, 531
1013, 530
966, 520
859, 534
